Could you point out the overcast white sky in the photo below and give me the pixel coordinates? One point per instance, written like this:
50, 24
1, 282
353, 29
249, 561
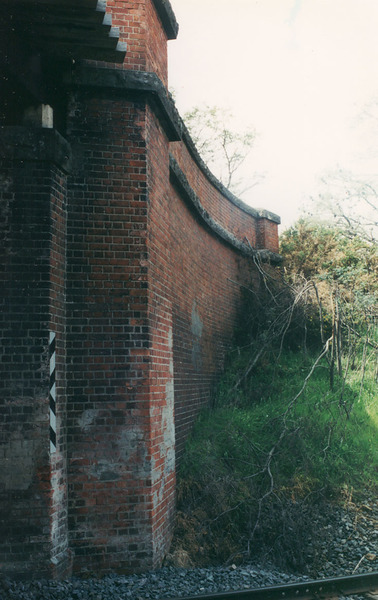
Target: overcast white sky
298, 71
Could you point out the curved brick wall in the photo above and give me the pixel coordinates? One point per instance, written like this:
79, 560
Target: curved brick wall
211, 252
235, 216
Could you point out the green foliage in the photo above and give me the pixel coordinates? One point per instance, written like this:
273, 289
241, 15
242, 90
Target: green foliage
323, 432
326, 254
254, 471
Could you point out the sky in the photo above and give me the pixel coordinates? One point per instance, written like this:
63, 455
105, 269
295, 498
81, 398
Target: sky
302, 73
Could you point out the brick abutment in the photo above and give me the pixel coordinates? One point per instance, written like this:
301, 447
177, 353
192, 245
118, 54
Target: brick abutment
120, 262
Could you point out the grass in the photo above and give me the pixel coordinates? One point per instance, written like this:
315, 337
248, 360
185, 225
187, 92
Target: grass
259, 457
330, 438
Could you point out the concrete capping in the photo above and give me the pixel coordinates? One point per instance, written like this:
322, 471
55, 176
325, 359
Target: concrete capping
167, 17
179, 179
35, 144
125, 81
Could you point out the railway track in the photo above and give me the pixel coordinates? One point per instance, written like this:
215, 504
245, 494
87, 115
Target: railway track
309, 590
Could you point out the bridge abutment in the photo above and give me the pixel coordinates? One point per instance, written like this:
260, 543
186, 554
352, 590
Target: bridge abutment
122, 266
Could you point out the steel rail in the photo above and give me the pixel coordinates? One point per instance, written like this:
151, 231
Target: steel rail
304, 590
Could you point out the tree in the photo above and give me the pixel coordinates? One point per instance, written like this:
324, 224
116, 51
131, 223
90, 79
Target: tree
343, 266
350, 203
222, 147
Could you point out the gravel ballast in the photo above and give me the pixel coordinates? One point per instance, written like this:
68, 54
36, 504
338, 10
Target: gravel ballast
348, 546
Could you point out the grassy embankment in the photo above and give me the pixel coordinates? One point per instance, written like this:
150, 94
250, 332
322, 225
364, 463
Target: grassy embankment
259, 465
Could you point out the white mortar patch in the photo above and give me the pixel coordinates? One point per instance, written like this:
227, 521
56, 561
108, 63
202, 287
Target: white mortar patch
196, 322
132, 451
87, 418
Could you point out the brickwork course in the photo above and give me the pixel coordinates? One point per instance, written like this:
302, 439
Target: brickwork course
122, 263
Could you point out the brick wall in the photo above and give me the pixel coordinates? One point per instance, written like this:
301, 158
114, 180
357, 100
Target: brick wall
122, 273
145, 26
153, 299
213, 240
108, 335
207, 299
161, 326
33, 522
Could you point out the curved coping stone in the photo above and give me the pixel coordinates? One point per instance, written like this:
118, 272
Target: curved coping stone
179, 179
